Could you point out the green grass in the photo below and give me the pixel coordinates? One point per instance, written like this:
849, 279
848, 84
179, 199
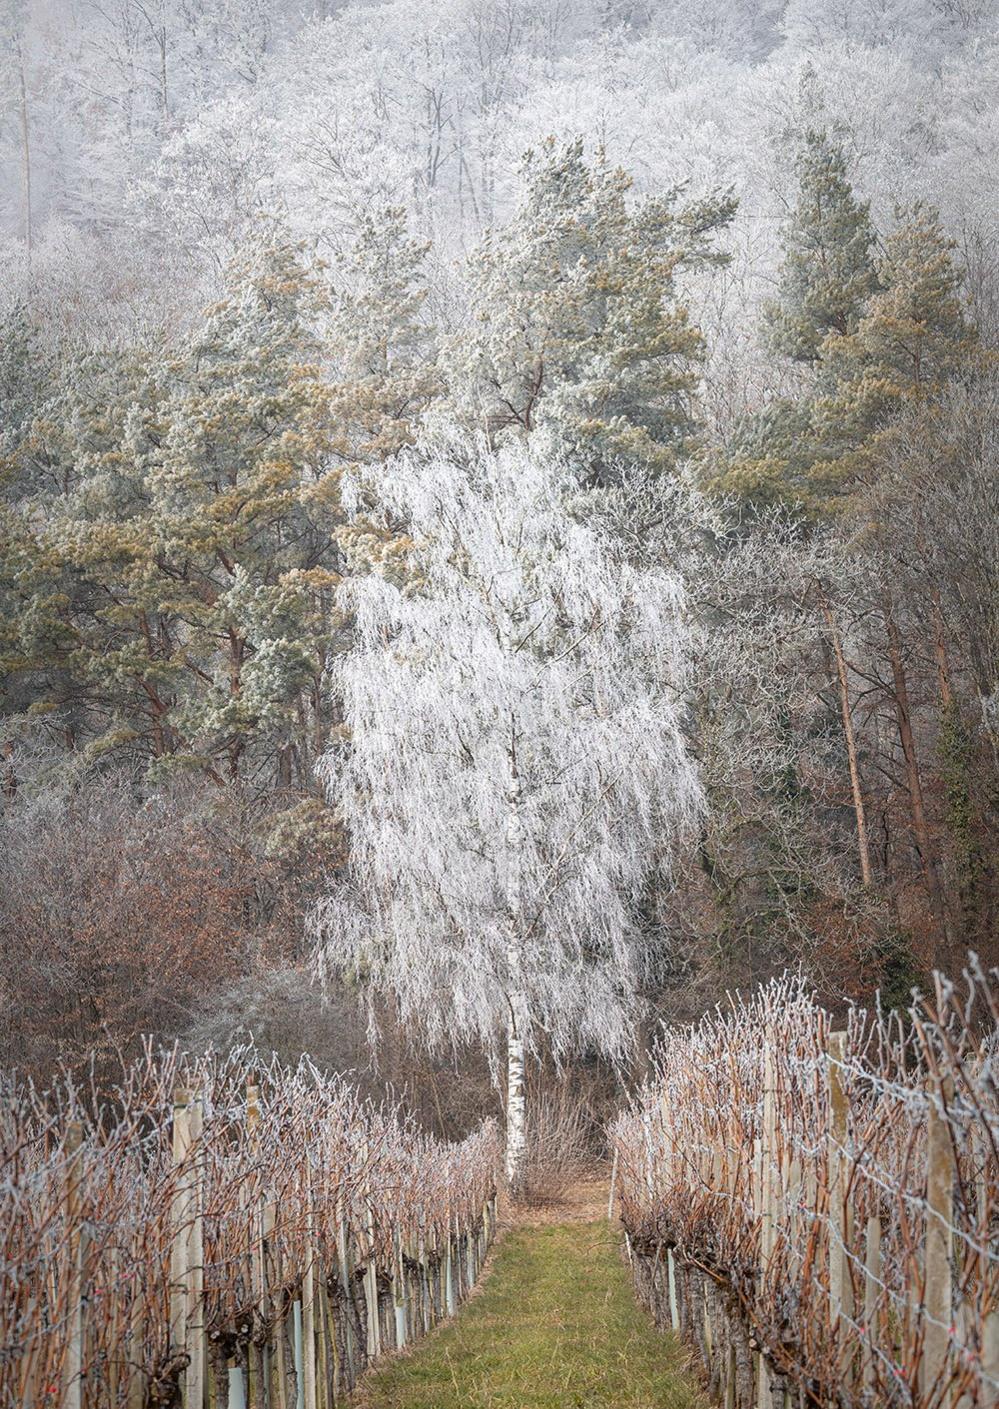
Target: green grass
555, 1326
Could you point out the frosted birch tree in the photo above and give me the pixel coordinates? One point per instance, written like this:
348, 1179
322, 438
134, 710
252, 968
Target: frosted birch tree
514, 769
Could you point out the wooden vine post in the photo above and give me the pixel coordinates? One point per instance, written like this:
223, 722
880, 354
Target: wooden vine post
135, 1392
872, 1288
346, 1269
448, 1270
836, 1163
767, 1203
197, 1345
424, 1274
374, 1346
73, 1365
768, 1159
187, 1328
668, 1174
990, 1349
179, 1244
937, 1294
399, 1296
256, 1356
307, 1374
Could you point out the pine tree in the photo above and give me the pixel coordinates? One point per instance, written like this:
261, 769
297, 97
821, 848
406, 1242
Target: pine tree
826, 278
384, 368
914, 334
577, 325
384, 354
911, 341
174, 561
23, 377
903, 345
768, 459
77, 508
828, 270
244, 546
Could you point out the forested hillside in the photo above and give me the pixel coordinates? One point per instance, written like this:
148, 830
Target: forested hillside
660, 338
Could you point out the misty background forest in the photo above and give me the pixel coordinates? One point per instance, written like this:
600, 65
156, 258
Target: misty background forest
365, 369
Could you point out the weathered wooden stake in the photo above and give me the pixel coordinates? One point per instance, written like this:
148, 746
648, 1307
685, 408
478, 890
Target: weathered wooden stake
937, 1296
253, 1201
399, 1296
872, 1288
180, 1245
280, 1356
308, 1376
674, 1309
990, 1351
344, 1259
768, 1155
135, 1394
298, 1351
195, 1375
187, 1256
448, 1270
371, 1286
73, 1367
836, 1145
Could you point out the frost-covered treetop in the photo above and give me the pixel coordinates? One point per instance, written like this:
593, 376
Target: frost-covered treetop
516, 765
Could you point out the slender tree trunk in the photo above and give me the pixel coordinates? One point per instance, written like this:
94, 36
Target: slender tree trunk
516, 1104
164, 96
939, 631
940, 652
903, 715
957, 762
25, 152
851, 742
516, 1132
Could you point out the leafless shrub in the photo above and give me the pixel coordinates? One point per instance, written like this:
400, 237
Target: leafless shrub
558, 1146
121, 912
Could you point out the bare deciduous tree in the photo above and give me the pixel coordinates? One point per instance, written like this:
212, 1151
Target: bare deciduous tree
516, 767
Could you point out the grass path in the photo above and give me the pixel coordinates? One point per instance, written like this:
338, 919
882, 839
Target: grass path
554, 1326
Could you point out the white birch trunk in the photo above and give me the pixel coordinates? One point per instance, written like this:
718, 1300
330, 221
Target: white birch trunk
516, 1132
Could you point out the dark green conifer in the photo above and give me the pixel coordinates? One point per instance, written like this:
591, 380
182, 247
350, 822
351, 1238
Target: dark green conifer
828, 271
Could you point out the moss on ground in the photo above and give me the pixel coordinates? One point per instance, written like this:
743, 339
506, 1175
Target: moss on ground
555, 1326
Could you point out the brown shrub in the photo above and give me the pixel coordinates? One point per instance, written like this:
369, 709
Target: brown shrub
116, 916
558, 1145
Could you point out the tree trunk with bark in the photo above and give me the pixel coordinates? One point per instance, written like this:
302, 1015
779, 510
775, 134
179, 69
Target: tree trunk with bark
25, 151
516, 1103
917, 807
851, 742
516, 1131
